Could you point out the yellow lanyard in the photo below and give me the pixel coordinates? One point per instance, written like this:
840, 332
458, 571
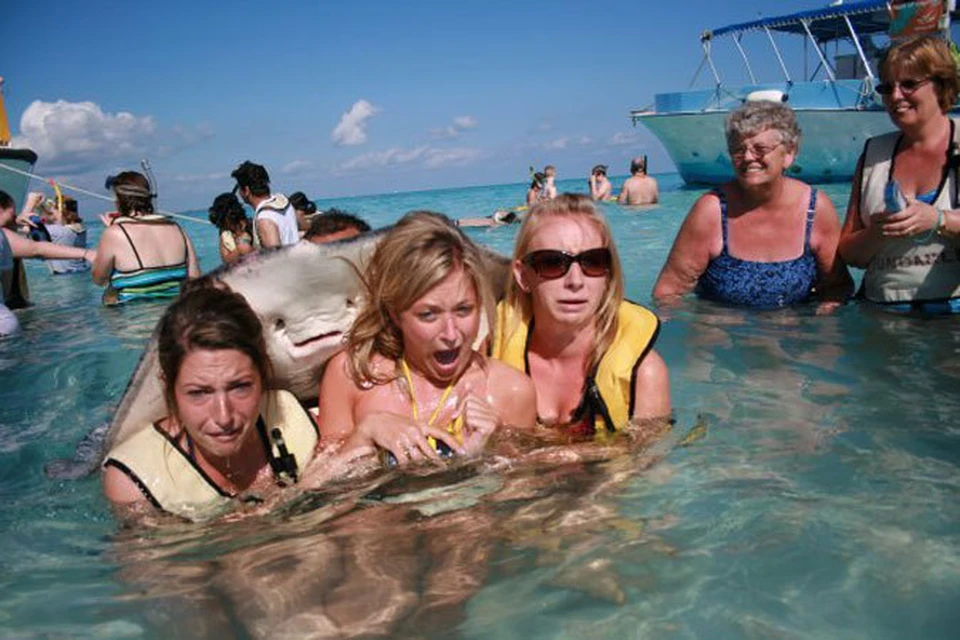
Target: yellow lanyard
455, 426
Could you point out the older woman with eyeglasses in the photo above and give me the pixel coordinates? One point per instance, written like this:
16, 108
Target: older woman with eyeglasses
902, 225
762, 240
565, 323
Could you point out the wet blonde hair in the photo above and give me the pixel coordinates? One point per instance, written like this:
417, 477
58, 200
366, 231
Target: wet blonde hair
572, 206
414, 257
924, 57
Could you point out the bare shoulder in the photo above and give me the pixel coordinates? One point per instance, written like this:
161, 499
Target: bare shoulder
119, 488
505, 376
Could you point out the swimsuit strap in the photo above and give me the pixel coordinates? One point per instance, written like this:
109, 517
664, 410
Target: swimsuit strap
413, 396
723, 217
811, 212
186, 247
132, 246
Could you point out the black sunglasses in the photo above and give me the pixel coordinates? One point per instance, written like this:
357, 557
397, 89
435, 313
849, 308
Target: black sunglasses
906, 86
551, 264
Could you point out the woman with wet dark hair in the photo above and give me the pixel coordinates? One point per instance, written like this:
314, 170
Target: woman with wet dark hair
229, 216
304, 207
141, 255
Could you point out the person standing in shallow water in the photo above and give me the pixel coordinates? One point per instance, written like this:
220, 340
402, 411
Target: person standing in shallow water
13, 246
141, 255
274, 218
409, 377
564, 322
639, 188
762, 240
910, 244
600, 187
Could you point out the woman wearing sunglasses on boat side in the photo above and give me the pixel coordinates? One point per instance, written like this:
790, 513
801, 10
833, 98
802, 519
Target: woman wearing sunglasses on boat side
762, 240
902, 225
565, 323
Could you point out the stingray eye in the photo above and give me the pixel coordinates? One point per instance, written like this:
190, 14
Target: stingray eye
279, 324
350, 303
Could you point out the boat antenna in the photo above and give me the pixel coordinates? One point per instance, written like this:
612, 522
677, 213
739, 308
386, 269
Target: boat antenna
147, 171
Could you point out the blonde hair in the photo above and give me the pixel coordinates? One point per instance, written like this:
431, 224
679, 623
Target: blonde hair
925, 57
416, 255
569, 205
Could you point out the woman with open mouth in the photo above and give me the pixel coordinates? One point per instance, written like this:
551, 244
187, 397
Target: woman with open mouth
410, 380
565, 323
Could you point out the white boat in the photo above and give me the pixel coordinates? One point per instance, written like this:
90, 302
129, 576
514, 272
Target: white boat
833, 98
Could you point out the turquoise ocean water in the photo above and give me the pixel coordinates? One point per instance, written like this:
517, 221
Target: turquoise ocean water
822, 502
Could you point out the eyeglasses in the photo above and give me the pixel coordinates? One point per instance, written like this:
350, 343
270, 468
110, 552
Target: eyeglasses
551, 264
906, 86
759, 152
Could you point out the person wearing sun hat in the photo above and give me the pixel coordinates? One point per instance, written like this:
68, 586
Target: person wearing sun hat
600, 187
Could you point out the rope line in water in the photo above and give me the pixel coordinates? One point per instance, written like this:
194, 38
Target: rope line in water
91, 193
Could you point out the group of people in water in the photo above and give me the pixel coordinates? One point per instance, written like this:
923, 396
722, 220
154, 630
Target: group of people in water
639, 189
435, 367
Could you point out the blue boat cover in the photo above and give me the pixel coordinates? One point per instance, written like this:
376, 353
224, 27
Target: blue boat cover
868, 16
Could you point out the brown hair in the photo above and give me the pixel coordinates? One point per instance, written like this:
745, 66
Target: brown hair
415, 256
69, 214
207, 315
570, 205
133, 193
924, 57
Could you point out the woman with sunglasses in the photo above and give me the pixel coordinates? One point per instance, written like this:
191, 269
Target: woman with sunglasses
565, 323
902, 225
409, 379
762, 240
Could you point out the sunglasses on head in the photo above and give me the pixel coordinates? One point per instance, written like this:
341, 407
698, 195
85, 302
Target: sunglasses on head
906, 86
551, 264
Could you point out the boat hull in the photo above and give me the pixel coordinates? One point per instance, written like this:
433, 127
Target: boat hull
830, 144
15, 184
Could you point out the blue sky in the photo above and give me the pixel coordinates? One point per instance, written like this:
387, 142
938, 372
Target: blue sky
346, 98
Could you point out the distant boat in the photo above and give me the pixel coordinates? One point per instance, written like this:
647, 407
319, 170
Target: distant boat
835, 103
11, 181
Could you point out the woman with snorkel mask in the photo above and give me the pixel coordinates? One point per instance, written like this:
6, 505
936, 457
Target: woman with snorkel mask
141, 255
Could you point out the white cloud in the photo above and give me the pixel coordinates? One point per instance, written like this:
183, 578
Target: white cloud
351, 130
460, 124
296, 166
559, 143
79, 133
465, 122
585, 141
622, 138
424, 155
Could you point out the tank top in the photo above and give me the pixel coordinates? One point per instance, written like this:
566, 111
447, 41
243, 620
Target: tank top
760, 285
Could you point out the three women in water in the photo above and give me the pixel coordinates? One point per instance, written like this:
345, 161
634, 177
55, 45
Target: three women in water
411, 382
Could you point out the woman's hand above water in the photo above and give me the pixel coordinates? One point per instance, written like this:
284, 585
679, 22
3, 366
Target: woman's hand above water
917, 219
404, 438
479, 423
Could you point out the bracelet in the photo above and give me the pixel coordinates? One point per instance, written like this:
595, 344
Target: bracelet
942, 224
934, 230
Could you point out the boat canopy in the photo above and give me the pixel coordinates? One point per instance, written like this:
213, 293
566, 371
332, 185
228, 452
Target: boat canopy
866, 17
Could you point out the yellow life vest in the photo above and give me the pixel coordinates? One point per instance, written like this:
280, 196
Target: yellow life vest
172, 481
610, 389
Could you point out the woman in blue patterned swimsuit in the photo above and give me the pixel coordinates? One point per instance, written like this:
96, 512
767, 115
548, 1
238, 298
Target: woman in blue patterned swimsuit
762, 240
